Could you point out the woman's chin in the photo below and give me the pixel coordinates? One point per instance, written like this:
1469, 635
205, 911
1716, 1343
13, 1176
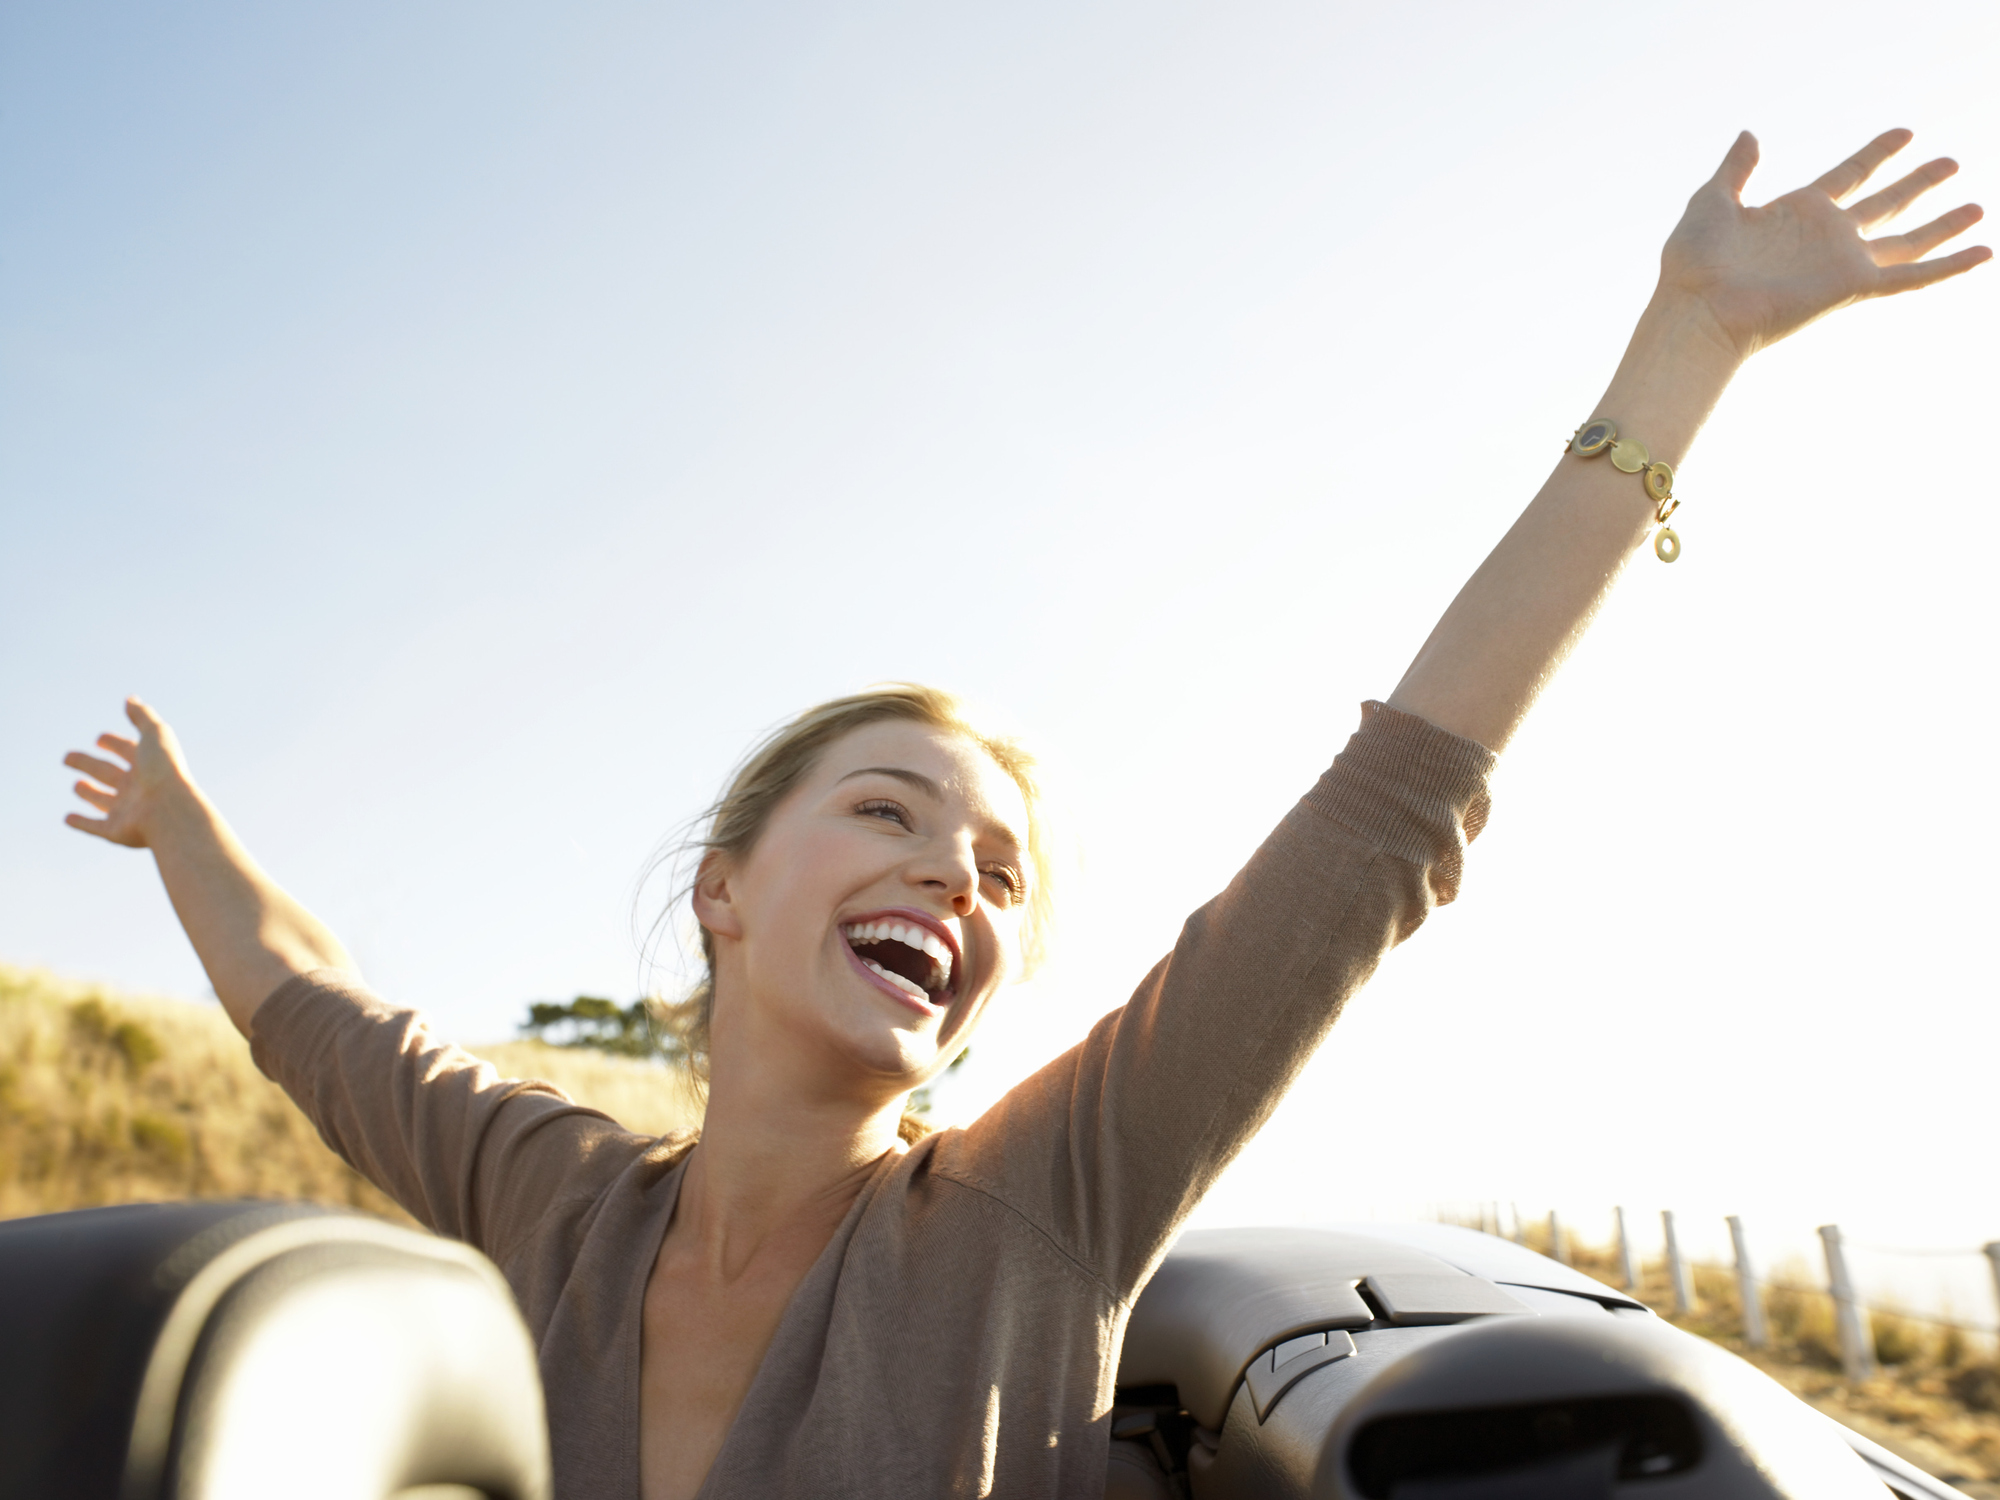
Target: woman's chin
907, 1057
891, 1045
900, 1056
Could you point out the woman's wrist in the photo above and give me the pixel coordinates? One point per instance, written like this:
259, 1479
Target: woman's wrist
180, 817
1675, 369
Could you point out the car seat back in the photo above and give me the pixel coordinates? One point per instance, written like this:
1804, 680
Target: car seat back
219, 1351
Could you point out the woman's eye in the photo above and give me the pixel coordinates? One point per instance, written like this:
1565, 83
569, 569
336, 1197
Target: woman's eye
1009, 880
893, 811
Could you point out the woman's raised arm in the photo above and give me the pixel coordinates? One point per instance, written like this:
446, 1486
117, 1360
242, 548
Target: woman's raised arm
1732, 280
250, 936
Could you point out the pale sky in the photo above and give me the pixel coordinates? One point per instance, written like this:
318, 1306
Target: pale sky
471, 425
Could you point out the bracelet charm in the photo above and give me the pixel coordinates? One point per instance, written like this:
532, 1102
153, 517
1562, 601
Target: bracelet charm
1629, 456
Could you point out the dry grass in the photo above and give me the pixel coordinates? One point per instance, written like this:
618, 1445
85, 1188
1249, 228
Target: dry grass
114, 1098
645, 1097
1936, 1400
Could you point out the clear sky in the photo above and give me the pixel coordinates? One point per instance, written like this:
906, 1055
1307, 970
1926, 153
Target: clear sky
472, 424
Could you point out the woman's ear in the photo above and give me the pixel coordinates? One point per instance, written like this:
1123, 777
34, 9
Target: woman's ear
713, 901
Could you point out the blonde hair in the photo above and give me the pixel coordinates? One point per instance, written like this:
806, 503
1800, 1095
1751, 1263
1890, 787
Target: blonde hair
775, 767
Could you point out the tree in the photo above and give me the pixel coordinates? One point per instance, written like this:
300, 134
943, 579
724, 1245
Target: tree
603, 1025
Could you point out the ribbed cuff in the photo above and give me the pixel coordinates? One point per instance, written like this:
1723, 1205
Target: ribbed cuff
1411, 789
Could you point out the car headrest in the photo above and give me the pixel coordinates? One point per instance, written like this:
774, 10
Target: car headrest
220, 1351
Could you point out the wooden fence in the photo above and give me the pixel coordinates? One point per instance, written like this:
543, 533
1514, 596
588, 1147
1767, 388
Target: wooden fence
1851, 1314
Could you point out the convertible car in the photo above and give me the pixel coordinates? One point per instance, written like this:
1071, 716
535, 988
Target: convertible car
222, 1351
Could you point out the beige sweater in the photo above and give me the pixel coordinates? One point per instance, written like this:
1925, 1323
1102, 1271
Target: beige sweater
960, 1333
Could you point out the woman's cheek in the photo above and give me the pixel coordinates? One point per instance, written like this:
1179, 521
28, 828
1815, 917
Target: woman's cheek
1007, 950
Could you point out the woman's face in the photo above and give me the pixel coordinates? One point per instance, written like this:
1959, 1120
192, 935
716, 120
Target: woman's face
876, 916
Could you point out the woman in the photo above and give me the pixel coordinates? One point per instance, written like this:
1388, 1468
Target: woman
802, 1303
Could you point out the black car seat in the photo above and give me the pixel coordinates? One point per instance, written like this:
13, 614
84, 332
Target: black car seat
224, 1351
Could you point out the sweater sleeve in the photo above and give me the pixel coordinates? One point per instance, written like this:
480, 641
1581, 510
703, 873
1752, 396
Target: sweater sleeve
468, 1153
1109, 1147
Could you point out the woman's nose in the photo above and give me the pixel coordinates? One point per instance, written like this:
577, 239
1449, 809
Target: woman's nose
953, 873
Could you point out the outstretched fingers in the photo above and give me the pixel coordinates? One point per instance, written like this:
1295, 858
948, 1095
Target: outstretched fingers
99, 826
112, 776
1899, 249
1907, 278
1859, 167
1899, 195
96, 796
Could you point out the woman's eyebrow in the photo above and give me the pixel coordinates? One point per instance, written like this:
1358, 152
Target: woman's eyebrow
916, 779
995, 829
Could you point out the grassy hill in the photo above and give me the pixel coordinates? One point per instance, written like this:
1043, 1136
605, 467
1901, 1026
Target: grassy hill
115, 1098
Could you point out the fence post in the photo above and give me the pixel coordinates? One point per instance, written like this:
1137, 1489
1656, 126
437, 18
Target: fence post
1993, 1259
1857, 1348
1556, 1238
1677, 1267
1627, 1261
1520, 1234
1746, 1288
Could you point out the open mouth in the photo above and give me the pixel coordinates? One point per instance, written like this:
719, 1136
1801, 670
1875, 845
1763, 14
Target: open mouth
907, 954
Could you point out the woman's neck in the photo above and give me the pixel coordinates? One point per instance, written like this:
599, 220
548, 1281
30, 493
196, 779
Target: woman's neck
774, 1165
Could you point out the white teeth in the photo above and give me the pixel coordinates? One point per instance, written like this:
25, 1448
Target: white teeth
897, 980
911, 936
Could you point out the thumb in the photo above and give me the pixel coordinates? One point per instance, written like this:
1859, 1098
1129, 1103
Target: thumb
142, 716
1738, 164
156, 732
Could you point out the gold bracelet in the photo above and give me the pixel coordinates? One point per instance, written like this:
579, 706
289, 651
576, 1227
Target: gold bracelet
1629, 455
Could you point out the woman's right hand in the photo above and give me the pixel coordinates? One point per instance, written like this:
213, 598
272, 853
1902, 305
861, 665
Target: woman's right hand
137, 797
249, 935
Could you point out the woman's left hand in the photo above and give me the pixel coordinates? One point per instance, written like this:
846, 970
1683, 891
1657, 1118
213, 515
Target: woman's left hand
1760, 273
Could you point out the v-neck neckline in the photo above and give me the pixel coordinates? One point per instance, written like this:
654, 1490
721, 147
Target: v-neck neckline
671, 1196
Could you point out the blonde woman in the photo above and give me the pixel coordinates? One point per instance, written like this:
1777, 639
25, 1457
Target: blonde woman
802, 1301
